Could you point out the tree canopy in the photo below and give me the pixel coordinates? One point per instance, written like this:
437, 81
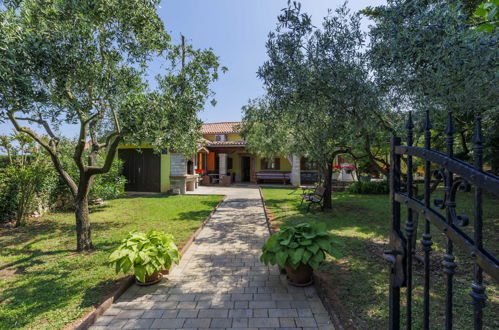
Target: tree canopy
318, 90
85, 63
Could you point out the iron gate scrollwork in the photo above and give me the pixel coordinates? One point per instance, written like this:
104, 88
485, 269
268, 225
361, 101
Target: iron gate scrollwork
456, 176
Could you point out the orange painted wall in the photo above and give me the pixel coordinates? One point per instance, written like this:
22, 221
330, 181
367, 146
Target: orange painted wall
211, 161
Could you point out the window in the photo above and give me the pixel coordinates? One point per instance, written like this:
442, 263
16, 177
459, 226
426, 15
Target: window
229, 163
220, 137
270, 164
307, 164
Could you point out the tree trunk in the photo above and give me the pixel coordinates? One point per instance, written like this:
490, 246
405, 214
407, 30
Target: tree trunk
83, 233
328, 182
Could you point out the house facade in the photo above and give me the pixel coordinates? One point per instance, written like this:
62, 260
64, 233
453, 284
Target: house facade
222, 157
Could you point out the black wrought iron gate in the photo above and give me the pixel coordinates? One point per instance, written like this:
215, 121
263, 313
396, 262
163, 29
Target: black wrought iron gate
456, 176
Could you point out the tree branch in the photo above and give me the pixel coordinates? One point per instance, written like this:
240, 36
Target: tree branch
50, 149
111, 153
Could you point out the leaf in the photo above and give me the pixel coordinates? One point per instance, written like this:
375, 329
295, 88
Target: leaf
296, 255
306, 242
306, 256
281, 257
140, 273
313, 248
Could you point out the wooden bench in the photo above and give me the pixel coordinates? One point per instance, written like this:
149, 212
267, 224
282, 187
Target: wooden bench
315, 197
273, 176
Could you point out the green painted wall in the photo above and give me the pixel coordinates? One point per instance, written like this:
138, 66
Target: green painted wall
165, 172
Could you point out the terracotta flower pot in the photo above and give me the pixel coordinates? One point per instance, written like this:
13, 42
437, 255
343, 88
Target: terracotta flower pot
150, 279
301, 276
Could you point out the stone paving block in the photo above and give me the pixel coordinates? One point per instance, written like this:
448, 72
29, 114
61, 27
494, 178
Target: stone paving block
129, 314
138, 324
263, 322
240, 304
164, 305
169, 314
305, 322
187, 313
152, 314
203, 304
117, 323
213, 313
260, 312
242, 296
262, 296
283, 312
197, 323
304, 312
222, 304
287, 322
240, 322
240, 312
221, 323
187, 305
262, 304
181, 297
167, 323
283, 304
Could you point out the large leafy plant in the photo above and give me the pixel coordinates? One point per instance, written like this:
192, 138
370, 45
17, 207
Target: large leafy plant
146, 254
305, 243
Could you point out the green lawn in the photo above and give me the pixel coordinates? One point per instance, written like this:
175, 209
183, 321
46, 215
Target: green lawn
44, 284
358, 282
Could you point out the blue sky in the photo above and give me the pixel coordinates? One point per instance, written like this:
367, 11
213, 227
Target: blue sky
237, 31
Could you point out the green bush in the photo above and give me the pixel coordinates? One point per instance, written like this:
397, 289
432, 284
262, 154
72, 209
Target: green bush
305, 243
145, 254
105, 186
369, 187
26, 180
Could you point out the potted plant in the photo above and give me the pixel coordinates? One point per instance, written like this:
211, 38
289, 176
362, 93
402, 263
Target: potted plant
336, 172
146, 254
299, 249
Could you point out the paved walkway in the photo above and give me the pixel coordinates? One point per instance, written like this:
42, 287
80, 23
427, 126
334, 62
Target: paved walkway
220, 282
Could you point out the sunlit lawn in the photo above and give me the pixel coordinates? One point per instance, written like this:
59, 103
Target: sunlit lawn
45, 284
358, 283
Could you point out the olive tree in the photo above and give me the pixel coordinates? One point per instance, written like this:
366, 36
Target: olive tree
430, 55
86, 63
318, 91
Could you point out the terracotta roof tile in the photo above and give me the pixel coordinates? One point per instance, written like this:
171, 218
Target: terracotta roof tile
220, 128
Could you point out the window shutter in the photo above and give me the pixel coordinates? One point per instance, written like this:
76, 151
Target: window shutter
277, 163
263, 164
303, 162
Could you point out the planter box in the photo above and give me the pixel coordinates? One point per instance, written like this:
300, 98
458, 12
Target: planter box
206, 180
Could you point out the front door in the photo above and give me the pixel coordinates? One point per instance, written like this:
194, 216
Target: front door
245, 169
141, 170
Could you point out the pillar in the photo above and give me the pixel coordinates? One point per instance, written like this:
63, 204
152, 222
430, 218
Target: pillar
295, 171
222, 165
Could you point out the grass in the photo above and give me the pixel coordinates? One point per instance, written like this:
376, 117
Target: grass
357, 283
44, 284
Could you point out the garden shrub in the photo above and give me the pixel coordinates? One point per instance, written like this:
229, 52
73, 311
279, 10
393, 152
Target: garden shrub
105, 186
369, 187
26, 180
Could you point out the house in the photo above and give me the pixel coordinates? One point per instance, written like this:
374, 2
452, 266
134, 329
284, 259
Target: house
222, 156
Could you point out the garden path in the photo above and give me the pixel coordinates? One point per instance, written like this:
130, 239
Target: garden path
220, 282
